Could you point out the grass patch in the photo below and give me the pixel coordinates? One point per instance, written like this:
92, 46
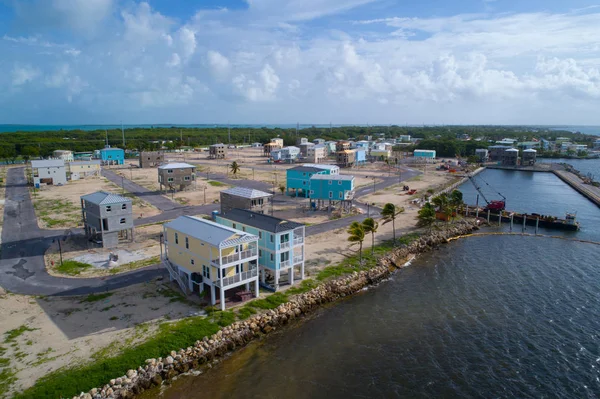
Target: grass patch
7, 377
107, 308
216, 183
135, 265
72, 267
304, 286
12, 335
245, 312
270, 302
96, 297
170, 336
4, 362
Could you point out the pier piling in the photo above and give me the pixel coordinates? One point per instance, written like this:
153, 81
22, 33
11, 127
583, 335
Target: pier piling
488, 216
537, 222
511, 221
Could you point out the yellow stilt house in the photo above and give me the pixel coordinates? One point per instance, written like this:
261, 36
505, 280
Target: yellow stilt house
201, 254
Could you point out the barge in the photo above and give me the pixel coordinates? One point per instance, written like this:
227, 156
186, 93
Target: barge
569, 223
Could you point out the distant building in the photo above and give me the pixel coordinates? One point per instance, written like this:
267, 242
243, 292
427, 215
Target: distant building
178, 176
270, 147
84, 156
361, 156
256, 145
65, 155
304, 148
276, 154
345, 158
342, 145
509, 142
151, 159
525, 145
424, 154
362, 144
301, 140
319, 141
316, 153
380, 154
496, 152
404, 138
277, 141
108, 217
481, 154
330, 147
529, 157
245, 198
331, 188
48, 172
112, 156
289, 154
510, 157
201, 254
81, 169
217, 151
280, 243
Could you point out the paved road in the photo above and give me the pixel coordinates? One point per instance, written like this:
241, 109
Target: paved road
152, 197
22, 268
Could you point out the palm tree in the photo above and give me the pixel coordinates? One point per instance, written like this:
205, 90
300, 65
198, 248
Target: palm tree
389, 213
443, 205
370, 226
282, 188
235, 168
426, 215
357, 234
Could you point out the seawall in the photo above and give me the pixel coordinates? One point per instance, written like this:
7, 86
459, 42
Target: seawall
240, 333
590, 192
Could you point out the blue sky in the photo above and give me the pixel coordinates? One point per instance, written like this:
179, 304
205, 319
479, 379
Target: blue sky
312, 61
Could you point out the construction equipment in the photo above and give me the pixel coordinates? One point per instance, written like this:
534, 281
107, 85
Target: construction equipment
494, 205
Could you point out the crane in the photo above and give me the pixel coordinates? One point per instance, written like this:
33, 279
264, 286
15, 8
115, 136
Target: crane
494, 205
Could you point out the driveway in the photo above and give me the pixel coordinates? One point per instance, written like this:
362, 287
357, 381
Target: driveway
154, 198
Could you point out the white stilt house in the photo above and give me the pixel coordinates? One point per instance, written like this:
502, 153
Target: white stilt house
201, 254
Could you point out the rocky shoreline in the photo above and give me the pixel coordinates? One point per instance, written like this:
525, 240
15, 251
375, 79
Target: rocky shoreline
240, 333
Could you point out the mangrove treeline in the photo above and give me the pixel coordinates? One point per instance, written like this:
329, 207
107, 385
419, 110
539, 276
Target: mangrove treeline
444, 139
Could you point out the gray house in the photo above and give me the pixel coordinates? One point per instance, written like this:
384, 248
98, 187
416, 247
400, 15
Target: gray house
151, 159
177, 175
108, 217
245, 198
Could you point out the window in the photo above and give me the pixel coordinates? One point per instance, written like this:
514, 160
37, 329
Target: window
341, 195
218, 273
187, 243
312, 192
271, 236
330, 182
304, 182
260, 234
244, 229
122, 221
339, 182
260, 252
304, 174
272, 257
124, 206
206, 271
169, 179
186, 178
169, 170
192, 261
237, 269
234, 225
176, 238
331, 194
108, 208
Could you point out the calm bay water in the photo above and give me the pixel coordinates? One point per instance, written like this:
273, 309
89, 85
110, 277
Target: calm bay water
495, 316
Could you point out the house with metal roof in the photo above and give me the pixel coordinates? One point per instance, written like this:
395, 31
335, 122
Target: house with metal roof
48, 172
81, 169
297, 179
280, 244
107, 217
112, 156
331, 188
176, 176
245, 198
204, 255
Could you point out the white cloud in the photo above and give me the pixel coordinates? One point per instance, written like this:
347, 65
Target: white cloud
219, 64
22, 74
187, 37
263, 88
174, 61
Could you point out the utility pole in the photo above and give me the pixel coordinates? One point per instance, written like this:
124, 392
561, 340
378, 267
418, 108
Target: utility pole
123, 132
228, 133
106, 133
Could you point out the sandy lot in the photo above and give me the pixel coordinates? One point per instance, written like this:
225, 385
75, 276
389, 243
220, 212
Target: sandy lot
144, 251
66, 331
60, 206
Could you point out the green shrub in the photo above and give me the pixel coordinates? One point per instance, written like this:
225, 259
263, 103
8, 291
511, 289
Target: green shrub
96, 297
72, 267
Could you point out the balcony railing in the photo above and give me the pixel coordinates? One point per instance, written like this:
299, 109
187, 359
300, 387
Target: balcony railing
298, 259
284, 245
284, 264
298, 241
236, 257
237, 278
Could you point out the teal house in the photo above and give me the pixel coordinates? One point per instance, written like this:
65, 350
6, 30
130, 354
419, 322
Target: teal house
298, 180
280, 243
112, 156
331, 188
